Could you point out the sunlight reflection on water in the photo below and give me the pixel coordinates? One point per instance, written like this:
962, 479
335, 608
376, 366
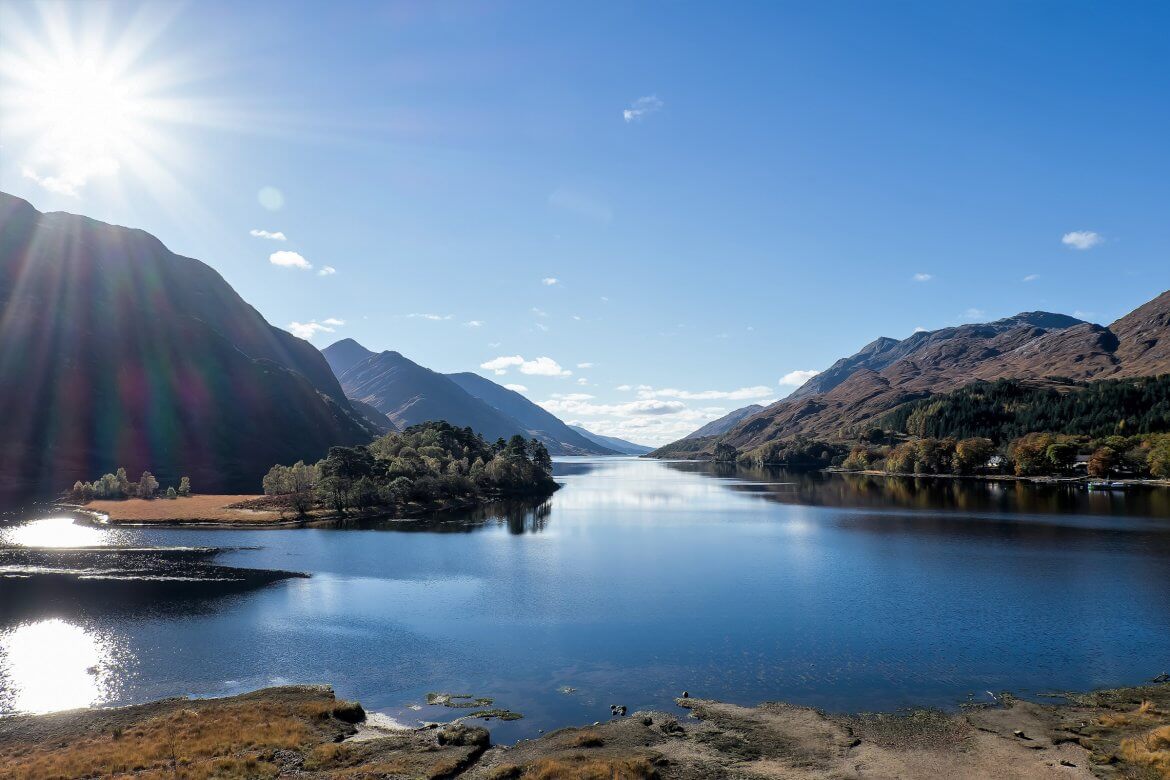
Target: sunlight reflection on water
51, 665
53, 532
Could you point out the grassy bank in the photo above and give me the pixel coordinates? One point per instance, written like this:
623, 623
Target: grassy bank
305, 731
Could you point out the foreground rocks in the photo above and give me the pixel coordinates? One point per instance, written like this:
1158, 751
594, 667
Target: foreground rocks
305, 732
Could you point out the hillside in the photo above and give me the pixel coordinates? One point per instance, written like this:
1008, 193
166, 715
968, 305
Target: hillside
725, 423
116, 351
839, 403
620, 446
539, 423
408, 394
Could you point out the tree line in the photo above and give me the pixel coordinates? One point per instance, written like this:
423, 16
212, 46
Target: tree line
119, 486
425, 464
1030, 455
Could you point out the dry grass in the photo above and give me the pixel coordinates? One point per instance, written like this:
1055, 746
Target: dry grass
1151, 750
1145, 713
194, 743
587, 739
582, 768
192, 509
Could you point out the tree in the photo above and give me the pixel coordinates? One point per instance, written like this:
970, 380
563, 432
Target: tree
972, 454
147, 485
1102, 462
123, 487
185, 486
1158, 461
725, 452
540, 457
172, 493
1061, 455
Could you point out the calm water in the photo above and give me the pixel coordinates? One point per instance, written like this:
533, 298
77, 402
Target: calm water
636, 581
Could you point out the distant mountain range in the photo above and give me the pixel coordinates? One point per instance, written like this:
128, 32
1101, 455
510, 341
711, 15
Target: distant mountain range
838, 403
724, 423
612, 442
115, 351
408, 393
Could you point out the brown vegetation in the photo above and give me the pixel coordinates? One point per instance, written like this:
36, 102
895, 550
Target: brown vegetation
192, 509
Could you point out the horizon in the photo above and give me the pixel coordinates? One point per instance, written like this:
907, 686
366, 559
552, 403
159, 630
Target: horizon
424, 189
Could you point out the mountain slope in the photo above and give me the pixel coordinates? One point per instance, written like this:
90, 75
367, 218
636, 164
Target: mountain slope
344, 355
838, 403
540, 423
620, 446
116, 351
725, 423
409, 394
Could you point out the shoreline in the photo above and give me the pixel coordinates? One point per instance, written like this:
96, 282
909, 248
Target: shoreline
274, 519
307, 731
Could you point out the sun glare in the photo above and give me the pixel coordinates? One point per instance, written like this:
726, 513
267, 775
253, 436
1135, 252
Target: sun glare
76, 105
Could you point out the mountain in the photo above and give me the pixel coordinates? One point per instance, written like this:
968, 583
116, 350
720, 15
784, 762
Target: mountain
537, 421
724, 423
838, 403
408, 393
620, 446
344, 355
116, 351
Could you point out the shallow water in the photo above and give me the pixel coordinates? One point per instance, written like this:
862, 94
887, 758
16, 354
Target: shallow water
637, 580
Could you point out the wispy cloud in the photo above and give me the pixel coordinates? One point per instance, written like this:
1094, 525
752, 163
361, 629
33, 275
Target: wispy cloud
307, 330
287, 259
797, 378
742, 394
1031, 277
516, 388
584, 365
1082, 239
474, 323
550, 281
539, 312
427, 316
642, 108
974, 314
541, 366
271, 236
922, 277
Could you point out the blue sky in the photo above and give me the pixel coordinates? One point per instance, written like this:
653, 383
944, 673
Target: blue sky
723, 194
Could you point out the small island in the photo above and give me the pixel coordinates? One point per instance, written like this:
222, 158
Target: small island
427, 468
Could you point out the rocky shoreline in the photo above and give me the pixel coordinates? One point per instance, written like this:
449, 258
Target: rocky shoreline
305, 732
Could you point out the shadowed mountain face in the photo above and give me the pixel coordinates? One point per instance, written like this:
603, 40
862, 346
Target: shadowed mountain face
408, 394
539, 423
841, 400
115, 351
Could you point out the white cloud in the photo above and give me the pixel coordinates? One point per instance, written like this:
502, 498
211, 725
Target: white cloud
542, 327
307, 330
584, 365
431, 317
797, 378
922, 277
572, 396
642, 108
287, 259
517, 388
72, 170
920, 329
582, 380
743, 393
974, 314
272, 236
327, 270
624, 388
1082, 239
541, 366
550, 281
474, 323
539, 312
1031, 277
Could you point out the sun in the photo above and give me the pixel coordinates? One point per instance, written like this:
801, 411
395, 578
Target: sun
78, 104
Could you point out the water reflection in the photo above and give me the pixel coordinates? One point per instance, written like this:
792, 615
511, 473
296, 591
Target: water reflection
53, 532
51, 665
519, 517
816, 488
